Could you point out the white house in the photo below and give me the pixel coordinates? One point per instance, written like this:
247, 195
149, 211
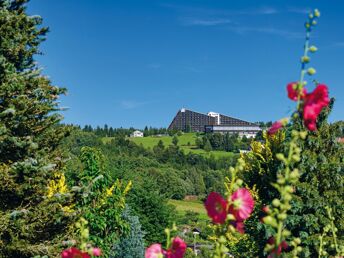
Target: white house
136, 134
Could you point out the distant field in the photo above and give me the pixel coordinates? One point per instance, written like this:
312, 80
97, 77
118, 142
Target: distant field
183, 206
185, 141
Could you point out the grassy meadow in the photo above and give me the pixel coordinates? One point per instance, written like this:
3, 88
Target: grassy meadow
186, 142
195, 206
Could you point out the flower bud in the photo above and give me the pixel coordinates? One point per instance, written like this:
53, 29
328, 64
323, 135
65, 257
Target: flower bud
289, 189
270, 221
230, 216
286, 233
239, 182
85, 233
305, 59
266, 209
313, 49
276, 202
296, 158
299, 249
282, 216
311, 71
303, 135
288, 197
307, 25
281, 181
297, 240
294, 174
316, 13
314, 23
311, 16
280, 156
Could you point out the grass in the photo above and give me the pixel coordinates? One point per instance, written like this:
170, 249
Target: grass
195, 206
186, 142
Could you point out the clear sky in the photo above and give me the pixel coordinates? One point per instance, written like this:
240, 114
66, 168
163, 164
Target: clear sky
136, 63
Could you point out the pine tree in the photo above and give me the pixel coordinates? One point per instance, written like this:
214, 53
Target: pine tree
131, 246
30, 222
175, 140
207, 146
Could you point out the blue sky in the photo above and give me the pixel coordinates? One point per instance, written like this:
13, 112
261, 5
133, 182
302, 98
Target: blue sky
136, 63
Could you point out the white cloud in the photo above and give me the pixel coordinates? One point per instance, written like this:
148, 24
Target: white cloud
266, 30
204, 22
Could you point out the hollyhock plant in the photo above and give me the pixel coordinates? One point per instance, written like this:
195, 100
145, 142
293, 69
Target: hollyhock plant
177, 249
74, 253
216, 208
243, 204
154, 251
313, 104
275, 128
293, 92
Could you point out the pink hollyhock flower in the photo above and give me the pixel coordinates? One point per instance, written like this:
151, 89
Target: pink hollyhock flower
275, 127
154, 251
243, 204
216, 207
96, 251
313, 104
74, 253
177, 249
293, 92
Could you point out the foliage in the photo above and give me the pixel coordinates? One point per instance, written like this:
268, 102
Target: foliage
154, 214
103, 201
31, 223
132, 245
321, 184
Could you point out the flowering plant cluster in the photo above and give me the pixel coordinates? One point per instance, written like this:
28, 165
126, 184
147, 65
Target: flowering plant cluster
175, 247
228, 213
86, 250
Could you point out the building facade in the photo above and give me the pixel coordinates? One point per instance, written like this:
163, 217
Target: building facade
187, 120
136, 134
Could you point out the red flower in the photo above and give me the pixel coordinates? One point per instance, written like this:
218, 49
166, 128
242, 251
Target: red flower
313, 104
293, 92
275, 127
74, 253
177, 250
154, 251
243, 204
216, 207
283, 246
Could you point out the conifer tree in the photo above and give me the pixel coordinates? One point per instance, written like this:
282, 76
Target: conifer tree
30, 222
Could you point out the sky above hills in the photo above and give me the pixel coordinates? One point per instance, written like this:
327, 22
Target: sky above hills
136, 63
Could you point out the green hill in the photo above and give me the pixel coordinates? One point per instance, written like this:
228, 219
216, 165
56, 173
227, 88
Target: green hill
186, 142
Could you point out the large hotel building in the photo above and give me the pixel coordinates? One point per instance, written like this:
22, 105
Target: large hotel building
212, 122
